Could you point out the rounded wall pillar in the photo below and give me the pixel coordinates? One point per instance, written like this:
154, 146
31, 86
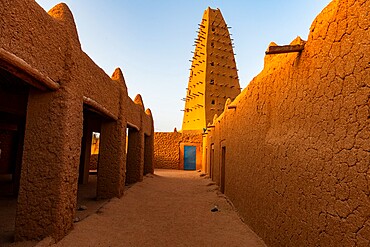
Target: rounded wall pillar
48, 185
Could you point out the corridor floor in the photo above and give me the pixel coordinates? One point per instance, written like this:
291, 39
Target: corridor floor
170, 208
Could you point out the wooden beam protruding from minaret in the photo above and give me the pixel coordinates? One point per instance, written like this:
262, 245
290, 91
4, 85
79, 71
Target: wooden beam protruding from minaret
277, 49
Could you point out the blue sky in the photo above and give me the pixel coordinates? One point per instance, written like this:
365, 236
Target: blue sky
151, 41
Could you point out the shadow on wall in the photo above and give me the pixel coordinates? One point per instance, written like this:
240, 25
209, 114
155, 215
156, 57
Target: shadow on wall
94, 162
46, 95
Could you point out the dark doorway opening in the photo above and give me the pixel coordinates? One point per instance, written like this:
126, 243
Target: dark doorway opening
223, 162
148, 159
133, 155
211, 160
13, 107
89, 162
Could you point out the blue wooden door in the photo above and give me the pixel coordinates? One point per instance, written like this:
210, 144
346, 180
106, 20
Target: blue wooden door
190, 157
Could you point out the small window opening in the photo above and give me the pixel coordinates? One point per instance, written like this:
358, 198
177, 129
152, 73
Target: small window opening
212, 82
213, 102
95, 143
212, 64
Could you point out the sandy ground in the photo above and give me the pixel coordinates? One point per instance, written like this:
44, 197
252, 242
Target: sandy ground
8, 203
170, 208
86, 197
7, 216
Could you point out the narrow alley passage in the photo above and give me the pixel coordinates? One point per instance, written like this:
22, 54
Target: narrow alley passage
170, 208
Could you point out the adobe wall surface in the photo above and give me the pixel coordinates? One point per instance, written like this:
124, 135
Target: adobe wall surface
167, 148
94, 162
213, 74
43, 50
298, 141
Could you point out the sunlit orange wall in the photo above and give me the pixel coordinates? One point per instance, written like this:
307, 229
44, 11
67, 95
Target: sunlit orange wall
298, 141
167, 149
213, 75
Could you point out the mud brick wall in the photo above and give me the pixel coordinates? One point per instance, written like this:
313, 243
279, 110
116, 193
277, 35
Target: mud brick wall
94, 161
298, 141
167, 148
40, 53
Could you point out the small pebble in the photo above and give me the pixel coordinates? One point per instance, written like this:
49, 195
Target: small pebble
82, 208
214, 209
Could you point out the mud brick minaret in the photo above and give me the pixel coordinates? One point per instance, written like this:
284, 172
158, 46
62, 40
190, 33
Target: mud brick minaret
213, 74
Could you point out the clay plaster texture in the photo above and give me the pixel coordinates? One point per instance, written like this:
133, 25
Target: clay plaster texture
43, 51
296, 141
213, 75
213, 79
168, 148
